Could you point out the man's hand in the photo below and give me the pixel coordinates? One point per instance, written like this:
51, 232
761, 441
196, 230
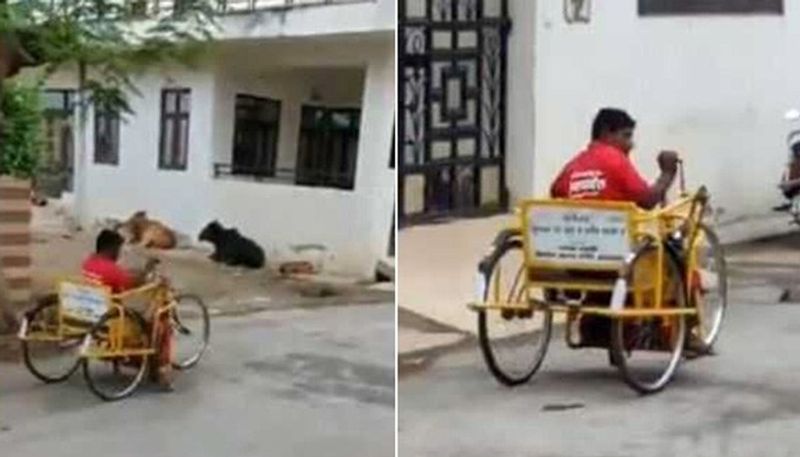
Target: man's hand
668, 162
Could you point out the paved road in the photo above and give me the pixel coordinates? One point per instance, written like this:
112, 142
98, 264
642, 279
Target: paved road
313, 383
743, 402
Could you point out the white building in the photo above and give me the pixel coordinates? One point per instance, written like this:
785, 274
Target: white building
710, 79
285, 133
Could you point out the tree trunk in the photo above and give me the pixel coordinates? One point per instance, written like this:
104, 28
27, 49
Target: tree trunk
79, 159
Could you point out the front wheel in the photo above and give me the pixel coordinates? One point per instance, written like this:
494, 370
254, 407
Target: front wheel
708, 289
513, 342
648, 350
114, 377
192, 329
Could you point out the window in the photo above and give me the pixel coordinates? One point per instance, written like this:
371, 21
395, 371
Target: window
255, 142
59, 101
106, 137
174, 149
328, 147
665, 7
55, 170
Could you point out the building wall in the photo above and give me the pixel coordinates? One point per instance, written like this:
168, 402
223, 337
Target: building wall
353, 225
176, 197
712, 87
294, 88
520, 129
312, 20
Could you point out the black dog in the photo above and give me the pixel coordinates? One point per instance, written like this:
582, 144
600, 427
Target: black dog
231, 248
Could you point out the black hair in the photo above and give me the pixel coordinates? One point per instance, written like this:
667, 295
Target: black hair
108, 240
611, 120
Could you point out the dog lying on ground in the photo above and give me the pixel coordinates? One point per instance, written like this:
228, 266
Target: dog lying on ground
148, 233
231, 248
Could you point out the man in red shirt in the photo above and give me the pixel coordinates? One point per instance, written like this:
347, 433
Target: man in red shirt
603, 171
102, 268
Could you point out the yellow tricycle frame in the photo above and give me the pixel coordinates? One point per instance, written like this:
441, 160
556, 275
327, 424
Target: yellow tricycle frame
681, 218
157, 294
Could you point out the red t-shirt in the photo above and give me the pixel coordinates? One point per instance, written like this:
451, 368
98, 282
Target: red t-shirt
105, 271
601, 172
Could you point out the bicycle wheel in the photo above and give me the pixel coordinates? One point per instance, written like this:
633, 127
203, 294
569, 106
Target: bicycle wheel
709, 290
648, 350
513, 343
50, 361
114, 378
192, 329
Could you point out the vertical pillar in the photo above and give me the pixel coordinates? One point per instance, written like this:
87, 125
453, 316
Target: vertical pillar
15, 246
375, 179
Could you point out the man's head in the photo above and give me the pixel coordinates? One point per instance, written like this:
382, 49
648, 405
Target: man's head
615, 127
109, 244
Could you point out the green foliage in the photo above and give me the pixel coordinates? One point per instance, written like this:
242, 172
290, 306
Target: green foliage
112, 39
22, 124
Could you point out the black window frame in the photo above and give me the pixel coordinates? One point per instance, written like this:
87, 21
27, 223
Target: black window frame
172, 120
318, 167
68, 101
699, 7
265, 160
393, 153
111, 121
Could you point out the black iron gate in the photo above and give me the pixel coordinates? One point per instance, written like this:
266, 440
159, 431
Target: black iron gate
452, 92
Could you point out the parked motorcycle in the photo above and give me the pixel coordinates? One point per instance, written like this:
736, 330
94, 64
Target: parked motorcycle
790, 181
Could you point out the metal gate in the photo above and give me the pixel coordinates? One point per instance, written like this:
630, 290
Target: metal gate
452, 92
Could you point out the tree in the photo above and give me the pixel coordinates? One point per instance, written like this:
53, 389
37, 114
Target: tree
107, 42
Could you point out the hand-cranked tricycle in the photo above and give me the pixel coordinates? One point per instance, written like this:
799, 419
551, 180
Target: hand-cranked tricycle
644, 285
86, 325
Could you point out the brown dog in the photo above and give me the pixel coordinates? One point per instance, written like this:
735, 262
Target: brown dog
148, 233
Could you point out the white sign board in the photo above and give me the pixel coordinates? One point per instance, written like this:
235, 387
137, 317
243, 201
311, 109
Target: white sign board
85, 303
582, 236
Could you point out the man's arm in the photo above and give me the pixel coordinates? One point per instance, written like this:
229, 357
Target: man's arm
645, 195
140, 277
658, 191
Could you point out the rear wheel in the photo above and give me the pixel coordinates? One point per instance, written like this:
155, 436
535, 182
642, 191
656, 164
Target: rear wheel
513, 342
48, 359
116, 377
648, 350
192, 329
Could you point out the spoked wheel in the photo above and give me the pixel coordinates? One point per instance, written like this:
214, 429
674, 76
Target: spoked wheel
50, 360
648, 350
708, 290
513, 342
192, 329
114, 378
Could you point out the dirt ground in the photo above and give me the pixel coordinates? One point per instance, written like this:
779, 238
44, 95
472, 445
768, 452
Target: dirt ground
226, 290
